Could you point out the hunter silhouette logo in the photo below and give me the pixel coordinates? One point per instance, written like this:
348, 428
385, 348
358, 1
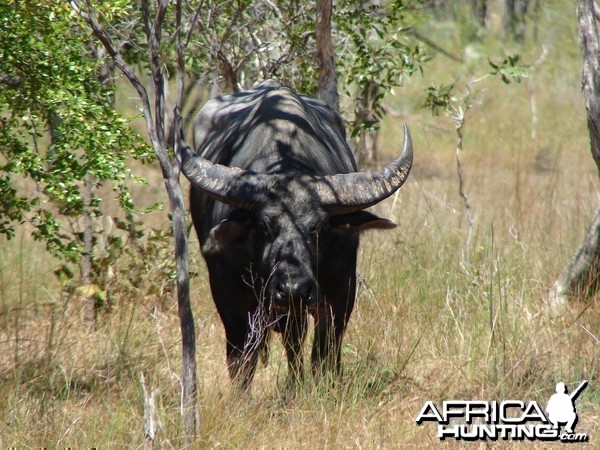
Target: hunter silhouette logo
472, 420
561, 406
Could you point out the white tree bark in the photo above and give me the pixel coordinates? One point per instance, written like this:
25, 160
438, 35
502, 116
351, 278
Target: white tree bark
580, 277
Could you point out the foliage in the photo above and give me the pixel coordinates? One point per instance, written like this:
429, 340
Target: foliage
444, 97
437, 98
236, 44
510, 69
374, 56
57, 127
125, 266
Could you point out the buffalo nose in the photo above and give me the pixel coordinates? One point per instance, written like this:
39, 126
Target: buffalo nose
299, 291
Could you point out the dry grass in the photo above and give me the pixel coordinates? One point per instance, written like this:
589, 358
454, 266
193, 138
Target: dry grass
432, 322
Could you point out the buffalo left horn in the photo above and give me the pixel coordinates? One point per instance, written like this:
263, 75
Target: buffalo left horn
350, 192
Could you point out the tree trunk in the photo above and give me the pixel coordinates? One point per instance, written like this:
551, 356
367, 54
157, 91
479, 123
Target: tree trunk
327, 78
89, 302
366, 149
480, 11
104, 76
366, 146
509, 17
514, 18
590, 78
580, 276
155, 125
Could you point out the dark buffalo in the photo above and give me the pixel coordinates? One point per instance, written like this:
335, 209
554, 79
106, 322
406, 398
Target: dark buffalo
278, 206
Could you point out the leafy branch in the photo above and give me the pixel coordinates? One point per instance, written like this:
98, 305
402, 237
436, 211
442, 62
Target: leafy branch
456, 106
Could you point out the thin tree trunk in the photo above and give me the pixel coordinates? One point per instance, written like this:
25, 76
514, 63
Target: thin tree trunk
509, 17
514, 18
104, 76
155, 124
89, 301
521, 11
591, 73
580, 276
327, 78
480, 9
366, 146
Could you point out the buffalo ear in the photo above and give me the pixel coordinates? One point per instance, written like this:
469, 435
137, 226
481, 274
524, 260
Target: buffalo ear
360, 221
229, 231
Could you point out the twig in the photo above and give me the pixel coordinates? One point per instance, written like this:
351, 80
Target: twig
458, 115
436, 47
534, 115
591, 334
150, 416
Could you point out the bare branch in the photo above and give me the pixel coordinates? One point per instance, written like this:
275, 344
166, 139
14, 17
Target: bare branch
195, 20
154, 33
436, 47
89, 15
534, 115
181, 91
170, 172
458, 115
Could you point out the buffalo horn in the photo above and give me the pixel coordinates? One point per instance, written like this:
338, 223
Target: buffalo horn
231, 185
339, 194
346, 193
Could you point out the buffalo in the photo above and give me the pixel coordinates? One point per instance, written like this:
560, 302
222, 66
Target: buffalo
278, 206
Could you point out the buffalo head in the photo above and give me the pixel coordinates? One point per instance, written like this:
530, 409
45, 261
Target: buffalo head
291, 218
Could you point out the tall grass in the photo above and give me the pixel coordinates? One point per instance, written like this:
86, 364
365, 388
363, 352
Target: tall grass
430, 323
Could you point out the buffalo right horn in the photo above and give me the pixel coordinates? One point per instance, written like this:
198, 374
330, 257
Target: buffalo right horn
231, 185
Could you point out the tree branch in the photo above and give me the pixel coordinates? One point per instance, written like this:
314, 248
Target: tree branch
89, 15
170, 172
153, 34
437, 47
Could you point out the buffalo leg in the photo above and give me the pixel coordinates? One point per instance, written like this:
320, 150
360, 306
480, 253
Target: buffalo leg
294, 335
325, 352
330, 326
337, 303
242, 354
237, 308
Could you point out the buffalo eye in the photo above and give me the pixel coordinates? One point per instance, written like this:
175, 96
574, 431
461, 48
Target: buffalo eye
265, 229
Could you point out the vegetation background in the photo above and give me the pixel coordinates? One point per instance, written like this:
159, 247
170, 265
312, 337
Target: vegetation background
434, 319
